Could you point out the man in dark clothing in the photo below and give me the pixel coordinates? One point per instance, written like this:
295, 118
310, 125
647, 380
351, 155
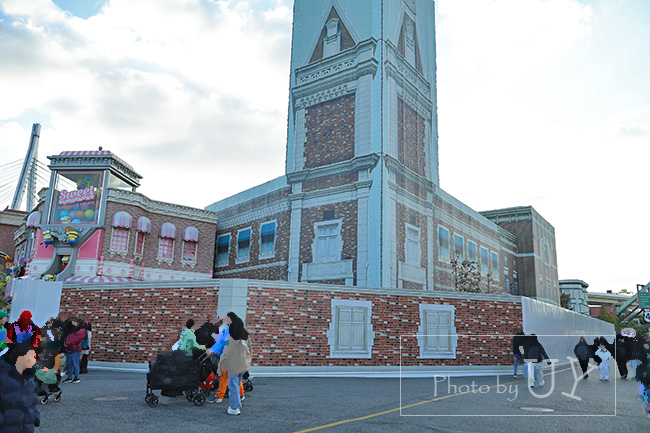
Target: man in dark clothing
534, 353
638, 357
621, 354
517, 342
583, 353
18, 399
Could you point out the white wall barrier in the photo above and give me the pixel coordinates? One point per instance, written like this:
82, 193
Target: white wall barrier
41, 298
559, 330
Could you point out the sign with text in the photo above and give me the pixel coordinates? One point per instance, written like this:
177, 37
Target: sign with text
644, 300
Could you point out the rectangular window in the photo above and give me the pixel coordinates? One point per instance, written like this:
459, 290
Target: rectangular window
495, 265
120, 239
267, 240
471, 251
413, 253
243, 245
223, 248
443, 242
139, 243
437, 335
189, 251
484, 261
514, 283
351, 326
327, 242
166, 248
459, 248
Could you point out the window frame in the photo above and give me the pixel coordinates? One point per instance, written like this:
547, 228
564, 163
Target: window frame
333, 333
338, 242
462, 244
159, 257
475, 251
442, 257
114, 251
247, 259
418, 261
184, 261
227, 261
422, 337
485, 267
138, 235
268, 254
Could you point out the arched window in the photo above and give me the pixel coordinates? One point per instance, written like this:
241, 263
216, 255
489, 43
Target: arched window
142, 227
166, 243
121, 226
190, 246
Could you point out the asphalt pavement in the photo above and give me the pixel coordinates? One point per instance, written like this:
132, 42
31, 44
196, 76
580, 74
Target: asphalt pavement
106, 401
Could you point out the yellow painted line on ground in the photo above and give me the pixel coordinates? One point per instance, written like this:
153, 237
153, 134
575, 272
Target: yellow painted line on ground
406, 407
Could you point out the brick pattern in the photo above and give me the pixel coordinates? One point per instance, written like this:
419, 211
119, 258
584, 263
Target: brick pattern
303, 317
346, 39
133, 325
329, 181
347, 212
329, 130
205, 251
410, 138
282, 230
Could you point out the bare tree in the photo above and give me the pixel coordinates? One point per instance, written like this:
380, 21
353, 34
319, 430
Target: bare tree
466, 275
491, 285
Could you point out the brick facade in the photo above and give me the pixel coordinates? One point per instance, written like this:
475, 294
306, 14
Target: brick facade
133, 325
410, 140
346, 40
330, 132
205, 246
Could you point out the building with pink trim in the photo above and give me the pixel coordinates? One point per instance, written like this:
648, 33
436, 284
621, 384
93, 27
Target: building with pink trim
91, 225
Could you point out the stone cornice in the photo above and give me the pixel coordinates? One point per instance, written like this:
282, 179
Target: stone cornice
316, 81
136, 199
330, 192
398, 67
365, 162
255, 214
394, 166
115, 165
153, 285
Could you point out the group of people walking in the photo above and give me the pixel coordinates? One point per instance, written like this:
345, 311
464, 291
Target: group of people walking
233, 347
529, 351
31, 353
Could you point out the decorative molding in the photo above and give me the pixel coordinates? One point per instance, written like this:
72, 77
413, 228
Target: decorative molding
168, 209
325, 95
168, 261
412, 273
110, 162
365, 162
399, 68
255, 214
190, 263
308, 77
253, 268
122, 254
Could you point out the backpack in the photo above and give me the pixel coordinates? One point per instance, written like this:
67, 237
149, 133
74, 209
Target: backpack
22, 335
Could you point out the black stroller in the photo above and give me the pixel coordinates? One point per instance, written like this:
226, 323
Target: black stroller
47, 358
175, 374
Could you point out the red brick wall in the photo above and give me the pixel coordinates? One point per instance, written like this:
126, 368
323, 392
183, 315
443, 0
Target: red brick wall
410, 139
133, 325
255, 203
206, 245
345, 211
289, 326
330, 132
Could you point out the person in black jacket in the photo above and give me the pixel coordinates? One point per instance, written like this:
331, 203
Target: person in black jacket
534, 353
638, 356
583, 354
517, 341
18, 399
621, 354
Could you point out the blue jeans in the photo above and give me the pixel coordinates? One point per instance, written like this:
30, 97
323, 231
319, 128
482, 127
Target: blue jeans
233, 390
635, 365
518, 359
72, 362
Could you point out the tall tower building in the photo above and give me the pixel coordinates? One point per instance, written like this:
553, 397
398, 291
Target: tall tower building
362, 152
360, 203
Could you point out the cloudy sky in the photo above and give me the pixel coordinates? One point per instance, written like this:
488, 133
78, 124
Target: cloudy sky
540, 102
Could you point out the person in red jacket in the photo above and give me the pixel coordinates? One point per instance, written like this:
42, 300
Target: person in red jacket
24, 329
73, 349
